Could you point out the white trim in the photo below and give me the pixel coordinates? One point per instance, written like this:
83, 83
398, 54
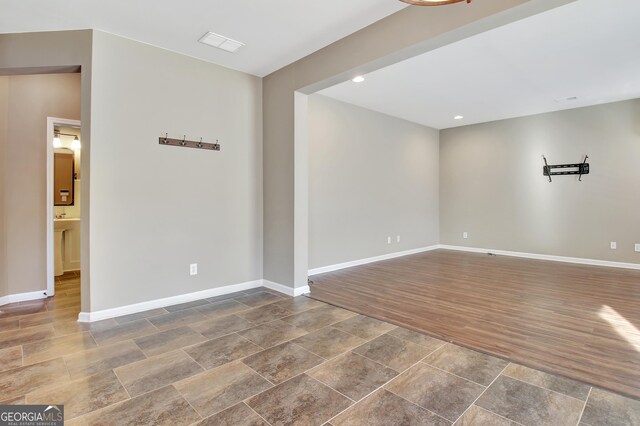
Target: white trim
51, 122
564, 259
22, 297
167, 301
353, 263
289, 291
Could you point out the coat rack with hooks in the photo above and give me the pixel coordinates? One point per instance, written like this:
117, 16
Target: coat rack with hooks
578, 169
166, 140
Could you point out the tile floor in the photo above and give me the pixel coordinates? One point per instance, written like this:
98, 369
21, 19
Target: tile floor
260, 358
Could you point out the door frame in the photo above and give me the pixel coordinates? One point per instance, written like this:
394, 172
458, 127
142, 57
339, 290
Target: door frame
51, 123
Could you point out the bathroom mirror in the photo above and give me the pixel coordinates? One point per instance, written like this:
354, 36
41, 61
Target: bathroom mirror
63, 171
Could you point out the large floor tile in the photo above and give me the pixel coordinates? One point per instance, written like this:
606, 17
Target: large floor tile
607, 409
48, 317
64, 328
299, 401
223, 350
300, 304
418, 338
529, 404
238, 415
217, 327
11, 323
215, 390
168, 340
159, 371
56, 347
272, 334
442, 393
141, 315
476, 416
258, 299
383, 408
103, 358
187, 305
353, 375
163, 407
10, 358
121, 332
222, 308
317, 318
548, 381
282, 362
364, 327
22, 380
23, 308
267, 313
177, 319
226, 296
26, 335
471, 365
329, 342
83, 396
395, 353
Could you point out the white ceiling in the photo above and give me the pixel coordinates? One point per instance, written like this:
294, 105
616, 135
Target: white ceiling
276, 32
589, 49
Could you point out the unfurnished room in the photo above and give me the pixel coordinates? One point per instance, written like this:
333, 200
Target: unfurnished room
361, 212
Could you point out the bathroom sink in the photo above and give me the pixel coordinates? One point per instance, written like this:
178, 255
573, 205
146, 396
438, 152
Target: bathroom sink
64, 223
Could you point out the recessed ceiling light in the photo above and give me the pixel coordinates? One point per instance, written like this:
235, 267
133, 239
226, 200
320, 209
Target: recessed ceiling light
358, 79
458, 117
221, 42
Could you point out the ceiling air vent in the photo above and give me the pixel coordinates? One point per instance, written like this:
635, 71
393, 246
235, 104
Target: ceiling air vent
221, 42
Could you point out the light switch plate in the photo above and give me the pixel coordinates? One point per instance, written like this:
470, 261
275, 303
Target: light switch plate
614, 245
193, 269
638, 248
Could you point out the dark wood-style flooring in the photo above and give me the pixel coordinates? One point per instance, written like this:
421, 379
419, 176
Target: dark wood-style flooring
578, 321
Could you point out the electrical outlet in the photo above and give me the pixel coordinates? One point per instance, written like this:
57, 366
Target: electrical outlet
193, 269
614, 245
638, 248
388, 240
398, 238
465, 235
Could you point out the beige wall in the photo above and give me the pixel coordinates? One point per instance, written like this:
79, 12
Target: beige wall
31, 99
4, 104
156, 209
370, 176
407, 33
492, 185
48, 52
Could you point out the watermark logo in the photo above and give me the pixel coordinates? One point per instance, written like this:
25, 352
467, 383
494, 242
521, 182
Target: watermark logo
31, 415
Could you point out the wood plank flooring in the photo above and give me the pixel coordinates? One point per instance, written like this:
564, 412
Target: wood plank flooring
578, 321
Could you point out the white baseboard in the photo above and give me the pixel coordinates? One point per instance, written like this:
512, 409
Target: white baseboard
353, 263
564, 259
167, 301
289, 291
22, 297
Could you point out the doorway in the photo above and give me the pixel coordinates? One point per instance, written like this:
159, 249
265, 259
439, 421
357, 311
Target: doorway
63, 202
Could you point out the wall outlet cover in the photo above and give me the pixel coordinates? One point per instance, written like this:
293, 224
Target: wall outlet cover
193, 269
388, 240
614, 245
638, 248
398, 238
465, 235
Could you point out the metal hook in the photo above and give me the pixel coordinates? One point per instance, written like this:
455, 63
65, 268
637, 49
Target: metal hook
200, 143
184, 141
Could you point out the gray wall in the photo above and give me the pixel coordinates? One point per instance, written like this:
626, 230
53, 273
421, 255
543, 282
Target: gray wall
31, 99
410, 32
4, 104
492, 184
370, 176
156, 209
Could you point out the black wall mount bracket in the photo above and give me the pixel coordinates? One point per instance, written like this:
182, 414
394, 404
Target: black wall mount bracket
565, 169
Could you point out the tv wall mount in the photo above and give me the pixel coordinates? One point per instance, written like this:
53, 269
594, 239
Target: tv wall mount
565, 169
